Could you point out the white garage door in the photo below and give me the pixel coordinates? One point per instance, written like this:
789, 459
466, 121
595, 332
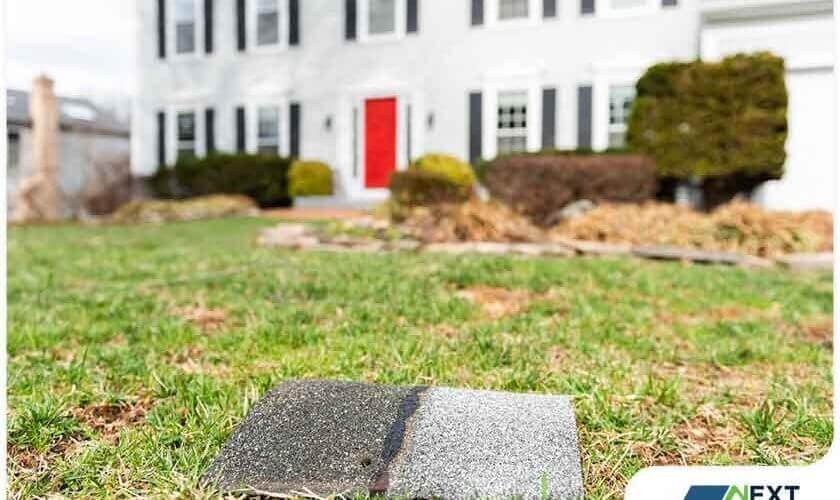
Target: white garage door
809, 180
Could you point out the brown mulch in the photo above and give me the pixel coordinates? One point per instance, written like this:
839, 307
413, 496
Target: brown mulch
470, 221
199, 208
736, 227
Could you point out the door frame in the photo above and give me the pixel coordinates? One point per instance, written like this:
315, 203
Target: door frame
355, 153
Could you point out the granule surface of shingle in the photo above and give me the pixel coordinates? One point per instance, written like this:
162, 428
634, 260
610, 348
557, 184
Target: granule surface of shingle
470, 444
322, 437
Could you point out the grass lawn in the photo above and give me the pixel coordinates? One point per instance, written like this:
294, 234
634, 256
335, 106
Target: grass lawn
134, 351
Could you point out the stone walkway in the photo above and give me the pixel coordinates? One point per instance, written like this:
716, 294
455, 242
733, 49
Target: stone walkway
302, 237
314, 214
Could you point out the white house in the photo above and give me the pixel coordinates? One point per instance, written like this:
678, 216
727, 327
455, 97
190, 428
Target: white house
366, 85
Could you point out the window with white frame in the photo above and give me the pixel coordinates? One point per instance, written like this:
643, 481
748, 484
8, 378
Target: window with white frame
621, 103
186, 129
513, 9
185, 31
627, 4
382, 17
268, 130
512, 122
268, 22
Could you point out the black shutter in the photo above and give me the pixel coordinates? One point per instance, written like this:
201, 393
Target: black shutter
161, 28
349, 19
669, 3
294, 22
587, 7
477, 12
412, 15
549, 120
294, 130
240, 129
476, 127
241, 40
210, 130
409, 144
549, 8
208, 26
161, 138
584, 117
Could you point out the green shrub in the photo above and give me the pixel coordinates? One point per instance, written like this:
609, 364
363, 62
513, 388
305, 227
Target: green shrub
416, 187
260, 177
448, 167
310, 178
722, 122
540, 185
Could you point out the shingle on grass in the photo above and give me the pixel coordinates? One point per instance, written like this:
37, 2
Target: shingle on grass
482, 444
310, 436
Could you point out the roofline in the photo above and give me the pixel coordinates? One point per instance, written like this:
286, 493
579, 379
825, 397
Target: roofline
716, 11
84, 129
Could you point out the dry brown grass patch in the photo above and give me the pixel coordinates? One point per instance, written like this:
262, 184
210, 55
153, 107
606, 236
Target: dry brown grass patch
191, 361
24, 464
497, 303
109, 419
206, 319
709, 432
819, 331
446, 331
719, 314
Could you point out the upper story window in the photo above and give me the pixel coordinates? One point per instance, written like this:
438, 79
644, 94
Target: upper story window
627, 4
513, 9
268, 130
621, 8
186, 135
382, 17
268, 22
512, 126
621, 103
185, 32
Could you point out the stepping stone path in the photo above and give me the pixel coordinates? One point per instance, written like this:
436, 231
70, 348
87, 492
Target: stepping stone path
301, 237
322, 438
700, 256
808, 262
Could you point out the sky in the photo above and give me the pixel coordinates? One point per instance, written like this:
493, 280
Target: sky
86, 46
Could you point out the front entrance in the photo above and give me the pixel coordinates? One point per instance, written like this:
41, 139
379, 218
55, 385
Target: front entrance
380, 141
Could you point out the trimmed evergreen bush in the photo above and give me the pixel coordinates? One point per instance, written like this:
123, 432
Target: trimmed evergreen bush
260, 177
449, 167
724, 123
541, 184
310, 178
415, 187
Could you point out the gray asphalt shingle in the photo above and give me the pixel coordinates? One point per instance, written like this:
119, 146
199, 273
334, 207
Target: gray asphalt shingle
327, 437
468, 444
332, 438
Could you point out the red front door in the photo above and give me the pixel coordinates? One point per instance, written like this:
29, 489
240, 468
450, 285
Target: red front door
380, 141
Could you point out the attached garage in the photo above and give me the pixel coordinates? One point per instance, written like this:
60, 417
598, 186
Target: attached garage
803, 33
